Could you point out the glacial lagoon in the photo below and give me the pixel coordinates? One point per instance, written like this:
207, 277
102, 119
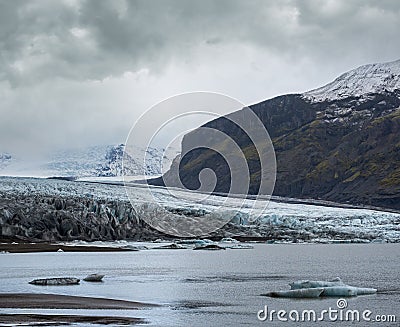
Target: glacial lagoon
213, 288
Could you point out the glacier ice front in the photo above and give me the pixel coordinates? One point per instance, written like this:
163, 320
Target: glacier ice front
282, 222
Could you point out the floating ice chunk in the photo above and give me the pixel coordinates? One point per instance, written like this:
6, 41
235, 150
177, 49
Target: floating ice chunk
347, 291
195, 242
94, 278
339, 291
335, 287
172, 246
55, 281
228, 240
365, 290
315, 283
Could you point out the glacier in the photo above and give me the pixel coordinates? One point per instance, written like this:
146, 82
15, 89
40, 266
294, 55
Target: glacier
279, 221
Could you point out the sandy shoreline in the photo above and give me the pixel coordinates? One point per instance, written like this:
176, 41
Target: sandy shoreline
47, 247
65, 320
55, 301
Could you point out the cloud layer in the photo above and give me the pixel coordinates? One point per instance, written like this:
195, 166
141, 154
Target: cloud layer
82, 71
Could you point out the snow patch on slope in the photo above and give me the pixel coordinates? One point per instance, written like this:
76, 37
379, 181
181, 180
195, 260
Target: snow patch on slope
373, 78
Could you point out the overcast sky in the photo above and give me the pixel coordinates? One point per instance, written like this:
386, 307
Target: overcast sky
81, 72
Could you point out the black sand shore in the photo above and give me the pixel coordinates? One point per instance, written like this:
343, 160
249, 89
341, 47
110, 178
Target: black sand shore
47, 247
55, 301
65, 320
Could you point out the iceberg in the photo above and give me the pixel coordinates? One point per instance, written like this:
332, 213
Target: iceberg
172, 246
346, 290
228, 240
365, 290
193, 242
94, 278
317, 288
335, 287
339, 291
315, 283
55, 281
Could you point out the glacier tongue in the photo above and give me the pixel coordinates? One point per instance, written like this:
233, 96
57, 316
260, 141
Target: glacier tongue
373, 78
283, 222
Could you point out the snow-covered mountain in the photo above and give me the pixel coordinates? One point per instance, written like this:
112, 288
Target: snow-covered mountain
93, 161
339, 142
366, 79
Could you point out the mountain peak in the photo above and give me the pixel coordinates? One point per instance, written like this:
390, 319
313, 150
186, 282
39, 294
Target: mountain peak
371, 78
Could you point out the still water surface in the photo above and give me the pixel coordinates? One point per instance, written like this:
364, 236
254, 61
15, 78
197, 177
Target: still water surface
215, 288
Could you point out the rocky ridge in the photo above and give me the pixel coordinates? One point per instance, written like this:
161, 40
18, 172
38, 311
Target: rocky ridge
329, 144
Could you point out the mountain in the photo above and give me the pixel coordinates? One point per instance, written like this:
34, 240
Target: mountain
340, 142
373, 78
92, 161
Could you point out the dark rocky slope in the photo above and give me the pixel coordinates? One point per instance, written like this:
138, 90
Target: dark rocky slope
345, 150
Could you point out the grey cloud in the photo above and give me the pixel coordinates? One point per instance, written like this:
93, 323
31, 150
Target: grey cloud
67, 61
38, 40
